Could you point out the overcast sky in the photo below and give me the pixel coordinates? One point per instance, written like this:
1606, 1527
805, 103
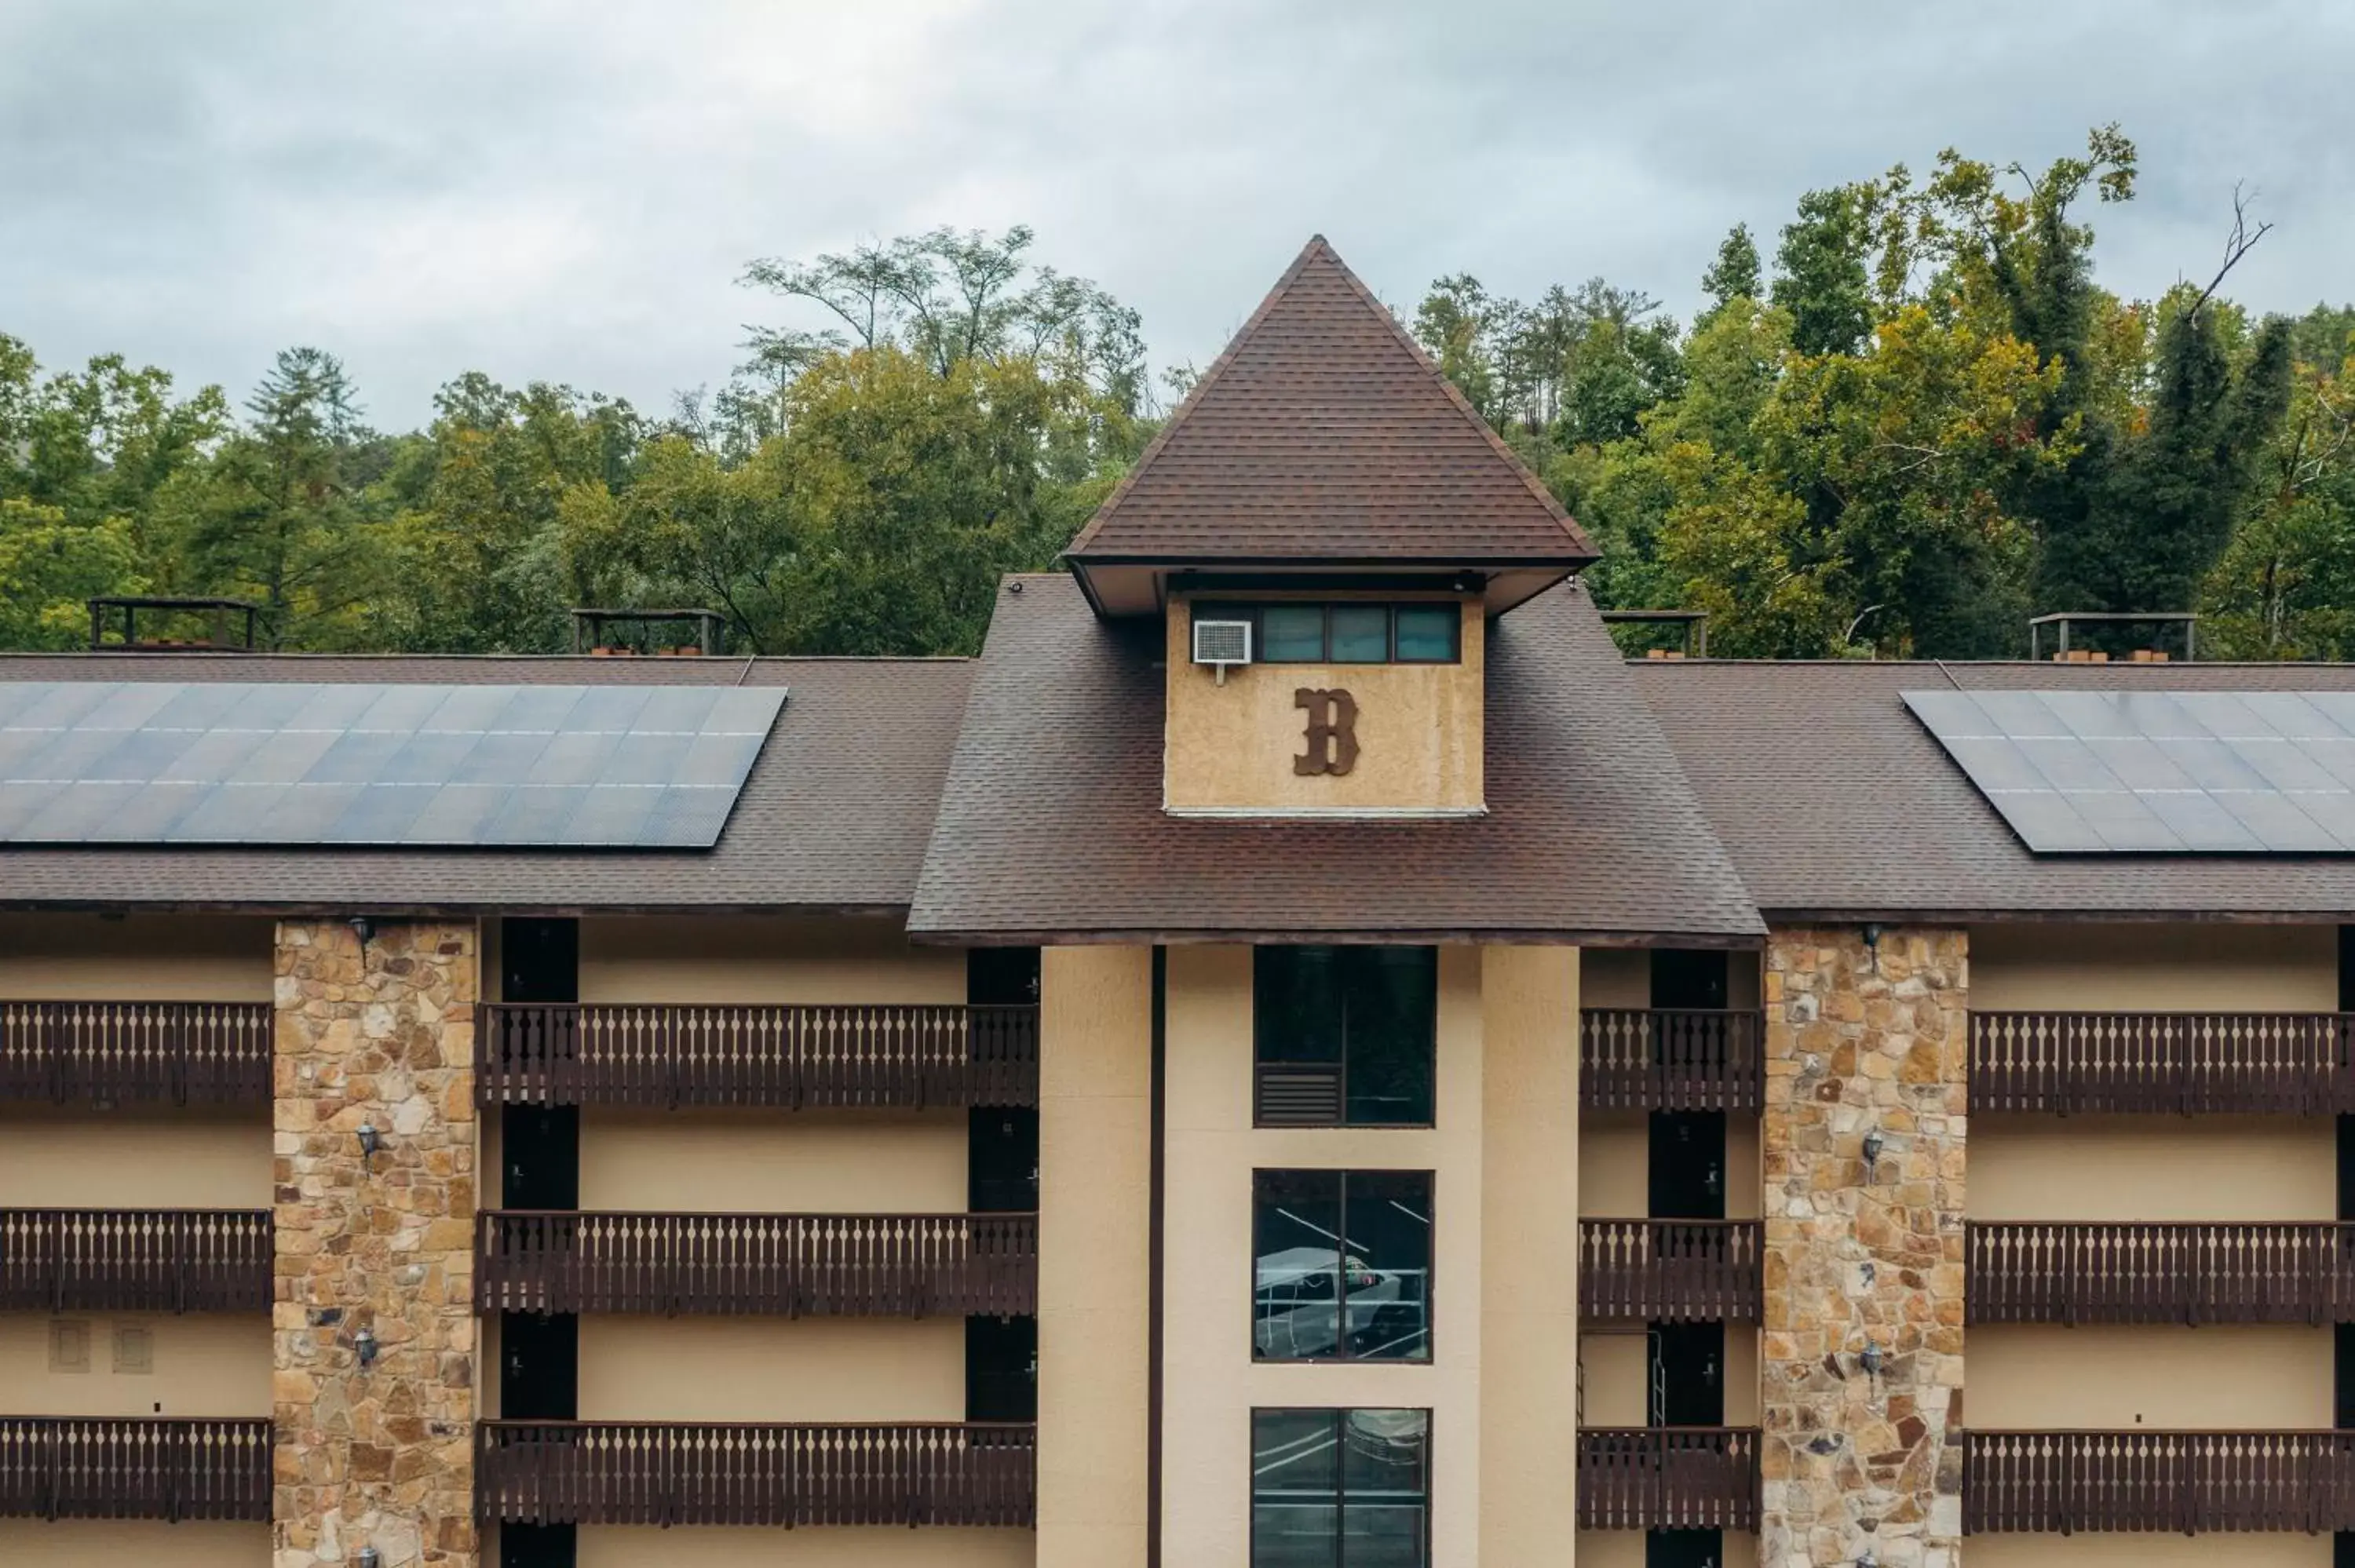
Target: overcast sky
568, 191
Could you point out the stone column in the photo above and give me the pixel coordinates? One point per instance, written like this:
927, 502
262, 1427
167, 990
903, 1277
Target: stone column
1864, 1036
379, 1033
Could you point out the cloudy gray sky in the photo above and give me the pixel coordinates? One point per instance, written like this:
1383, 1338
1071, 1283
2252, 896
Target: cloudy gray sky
568, 190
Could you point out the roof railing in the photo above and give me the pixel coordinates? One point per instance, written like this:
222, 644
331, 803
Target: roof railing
2061, 621
1693, 622
592, 631
218, 614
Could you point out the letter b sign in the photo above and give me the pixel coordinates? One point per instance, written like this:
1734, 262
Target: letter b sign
1332, 732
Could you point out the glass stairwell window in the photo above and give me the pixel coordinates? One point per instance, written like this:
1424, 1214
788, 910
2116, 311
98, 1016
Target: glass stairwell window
1344, 1036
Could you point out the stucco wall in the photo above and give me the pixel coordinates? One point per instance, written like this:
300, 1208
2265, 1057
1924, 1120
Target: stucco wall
2160, 1375
204, 1364
2154, 1168
1614, 1361
1621, 976
1230, 748
140, 957
2143, 1550
766, 1369
195, 1157
617, 1546
1614, 1166
2155, 968
132, 1543
1624, 1549
770, 1161
761, 959
1095, 1136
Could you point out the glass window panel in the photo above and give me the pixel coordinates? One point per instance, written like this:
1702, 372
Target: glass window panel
1296, 1264
1293, 633
1391, 1010
1362, 633
1386, 1265
1295, 1487
1385, 1487
1426, 633
1296, 1004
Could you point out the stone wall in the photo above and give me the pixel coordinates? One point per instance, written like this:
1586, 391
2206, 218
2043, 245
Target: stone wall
1863, 1036
378, 1033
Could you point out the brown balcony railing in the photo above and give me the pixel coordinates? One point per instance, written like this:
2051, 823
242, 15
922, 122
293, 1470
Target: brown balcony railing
1667, 1477
2160, 1273
1679, 1270
172, 1053
792, 1265
1648, 1058
791, 1056
602, 1472
2286, 1063
133, 1467
134, 1260
2183, 1482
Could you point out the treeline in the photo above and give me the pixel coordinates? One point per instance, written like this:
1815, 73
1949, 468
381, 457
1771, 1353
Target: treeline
1917, 423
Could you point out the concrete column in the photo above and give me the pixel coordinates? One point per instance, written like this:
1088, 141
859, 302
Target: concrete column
1095, 1139
379, 1033
1529, 1285
1863, 1038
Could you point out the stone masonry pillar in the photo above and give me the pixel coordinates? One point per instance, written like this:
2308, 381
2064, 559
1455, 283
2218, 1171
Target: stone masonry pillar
1864, 1265
377, 1033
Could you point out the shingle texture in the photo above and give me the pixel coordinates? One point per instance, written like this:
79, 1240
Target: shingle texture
1834, 799
1051, 820
835, 814
1324, 434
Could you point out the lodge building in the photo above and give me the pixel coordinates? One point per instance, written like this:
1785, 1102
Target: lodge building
1299, 1054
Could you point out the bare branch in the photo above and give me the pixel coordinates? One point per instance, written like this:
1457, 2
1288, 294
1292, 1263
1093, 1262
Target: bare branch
2238, 243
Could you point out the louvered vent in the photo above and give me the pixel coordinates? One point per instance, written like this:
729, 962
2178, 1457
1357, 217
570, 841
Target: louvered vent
1298, 1096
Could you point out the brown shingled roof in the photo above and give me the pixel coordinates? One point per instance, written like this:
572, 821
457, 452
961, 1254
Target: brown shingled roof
832, 818
1835, 801
1051, 827
1324, 435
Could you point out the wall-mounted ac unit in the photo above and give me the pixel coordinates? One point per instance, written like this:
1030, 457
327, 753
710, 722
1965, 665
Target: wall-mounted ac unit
1222, 642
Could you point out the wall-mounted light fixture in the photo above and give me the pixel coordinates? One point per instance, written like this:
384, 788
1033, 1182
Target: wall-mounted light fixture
1870, 1358
371, 1141
1873, 1145
369, 1557
363, 928
1868, 1559
364, 1345
1872, 935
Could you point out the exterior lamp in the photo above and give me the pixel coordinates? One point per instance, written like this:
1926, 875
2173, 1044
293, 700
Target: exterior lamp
1870, 1357
1867, 1560
370, 1140
364, 1345
369, 1557
363, 928
1873, 1145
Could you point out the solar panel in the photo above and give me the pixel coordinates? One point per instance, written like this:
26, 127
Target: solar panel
288, 763
2081, 772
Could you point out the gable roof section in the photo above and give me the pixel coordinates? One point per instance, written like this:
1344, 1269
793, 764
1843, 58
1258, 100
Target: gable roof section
1052, 829
833, 817
1324, 435
1836, 802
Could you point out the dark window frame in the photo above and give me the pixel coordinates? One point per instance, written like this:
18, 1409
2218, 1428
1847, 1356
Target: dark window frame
1340, 1415
1430, 1303
1263, 1064
1254, 611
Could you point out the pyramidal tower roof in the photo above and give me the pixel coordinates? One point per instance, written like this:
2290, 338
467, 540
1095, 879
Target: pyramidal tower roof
1325, 437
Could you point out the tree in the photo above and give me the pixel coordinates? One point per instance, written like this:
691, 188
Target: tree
1736, 274
1821, 278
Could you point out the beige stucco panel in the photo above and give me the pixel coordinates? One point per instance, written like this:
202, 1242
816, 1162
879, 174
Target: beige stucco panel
133, 1543
1615, 1165
204, 1364
2144, 1550
761, 959
2153, 968
1094, 1151
2154, 1168
768, 1369
768, 1162
136, 1158
2042, 1375
139, 958
1612, 1360
1230, 746
619, 1546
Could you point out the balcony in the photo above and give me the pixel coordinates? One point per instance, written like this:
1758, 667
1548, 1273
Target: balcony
55, 1467
2184, 1482
134, 1260
2160, 1273
789, 1056
1643, 1058
788, 1266
1675, 1271
1667, 1477
135, 1052
599, 1472
2184, 1064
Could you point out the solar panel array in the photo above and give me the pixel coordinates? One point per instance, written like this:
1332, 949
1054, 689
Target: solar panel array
2157, 773
227, 762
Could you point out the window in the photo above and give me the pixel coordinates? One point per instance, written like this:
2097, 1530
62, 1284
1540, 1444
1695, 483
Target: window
1340, 1488
1341, 1266
1344, 1036
1349, 633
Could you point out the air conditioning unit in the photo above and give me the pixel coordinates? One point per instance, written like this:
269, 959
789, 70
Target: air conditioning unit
1222, 642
